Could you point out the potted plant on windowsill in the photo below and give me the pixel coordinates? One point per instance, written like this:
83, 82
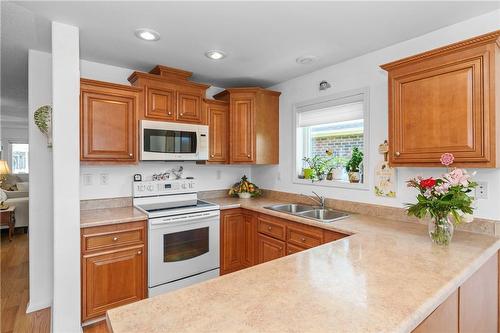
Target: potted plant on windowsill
319, 166
352, 166
337, 167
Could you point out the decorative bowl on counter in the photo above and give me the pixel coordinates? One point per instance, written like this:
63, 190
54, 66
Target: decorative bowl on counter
245, 189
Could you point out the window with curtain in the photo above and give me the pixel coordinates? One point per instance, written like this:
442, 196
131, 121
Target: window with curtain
19, 158
328, 132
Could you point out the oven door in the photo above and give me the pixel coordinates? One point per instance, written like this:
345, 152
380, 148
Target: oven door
183, 245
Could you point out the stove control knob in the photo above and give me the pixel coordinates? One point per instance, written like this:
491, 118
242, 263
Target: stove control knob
150, 188
191, 185
141, 187
183, 185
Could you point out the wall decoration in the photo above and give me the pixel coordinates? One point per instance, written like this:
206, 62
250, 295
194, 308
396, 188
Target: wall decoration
385, 176
43, 120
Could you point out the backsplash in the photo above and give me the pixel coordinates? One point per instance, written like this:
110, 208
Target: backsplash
116, 181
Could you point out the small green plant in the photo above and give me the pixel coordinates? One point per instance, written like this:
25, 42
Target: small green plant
320, 165
355, 161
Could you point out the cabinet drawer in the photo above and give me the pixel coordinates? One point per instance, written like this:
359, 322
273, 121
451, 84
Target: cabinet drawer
291, 249
330, 236
102, 238
304, 237
272, 227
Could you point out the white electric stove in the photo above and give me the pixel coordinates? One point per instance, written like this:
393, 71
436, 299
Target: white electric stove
183, 240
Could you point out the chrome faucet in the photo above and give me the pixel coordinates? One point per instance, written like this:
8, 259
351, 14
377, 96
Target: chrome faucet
319, 199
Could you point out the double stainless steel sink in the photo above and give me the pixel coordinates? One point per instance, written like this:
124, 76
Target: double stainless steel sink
310, 212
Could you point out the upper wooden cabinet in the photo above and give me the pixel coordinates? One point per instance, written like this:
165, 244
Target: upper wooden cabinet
444, 101
170, 96
218, 125
108, 127
254, 125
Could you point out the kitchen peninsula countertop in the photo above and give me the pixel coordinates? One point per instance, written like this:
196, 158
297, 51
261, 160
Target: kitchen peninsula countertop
386, 277
105, 216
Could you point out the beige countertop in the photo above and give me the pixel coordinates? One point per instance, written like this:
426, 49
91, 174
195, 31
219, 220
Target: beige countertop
385, 277
104, 216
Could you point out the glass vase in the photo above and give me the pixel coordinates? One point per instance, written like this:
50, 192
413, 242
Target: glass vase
441, 231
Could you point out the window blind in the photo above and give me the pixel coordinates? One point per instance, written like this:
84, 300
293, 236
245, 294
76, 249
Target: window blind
333, 114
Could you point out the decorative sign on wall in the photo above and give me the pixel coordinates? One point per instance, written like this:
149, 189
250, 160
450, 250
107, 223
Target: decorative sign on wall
385, 176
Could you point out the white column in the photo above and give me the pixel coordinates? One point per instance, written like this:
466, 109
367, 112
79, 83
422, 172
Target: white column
66, 173
40, 193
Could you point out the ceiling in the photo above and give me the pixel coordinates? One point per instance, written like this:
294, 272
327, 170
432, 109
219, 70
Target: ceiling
262, 39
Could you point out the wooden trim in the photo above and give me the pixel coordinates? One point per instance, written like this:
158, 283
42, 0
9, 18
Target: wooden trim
215, 101
253, 90
475, 41
103, 84
137, 75
171, 72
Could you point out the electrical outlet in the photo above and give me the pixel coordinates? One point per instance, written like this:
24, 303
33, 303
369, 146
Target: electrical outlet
482, 190
104, 178
88, 179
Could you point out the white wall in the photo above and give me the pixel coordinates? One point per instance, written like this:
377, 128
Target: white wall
360, 72
40, 195
210, 177
66, 174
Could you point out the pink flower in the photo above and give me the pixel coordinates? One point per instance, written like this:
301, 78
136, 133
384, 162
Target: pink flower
457, 177
447, 159
443, 188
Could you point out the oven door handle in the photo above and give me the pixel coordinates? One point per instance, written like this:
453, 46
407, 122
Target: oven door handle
183, 218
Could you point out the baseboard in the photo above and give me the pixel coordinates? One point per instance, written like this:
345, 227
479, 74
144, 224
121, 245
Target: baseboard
32, 307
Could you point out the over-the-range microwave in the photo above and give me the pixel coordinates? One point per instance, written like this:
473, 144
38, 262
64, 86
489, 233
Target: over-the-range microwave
168, 141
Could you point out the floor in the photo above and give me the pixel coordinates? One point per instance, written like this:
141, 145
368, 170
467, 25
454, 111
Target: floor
14, 288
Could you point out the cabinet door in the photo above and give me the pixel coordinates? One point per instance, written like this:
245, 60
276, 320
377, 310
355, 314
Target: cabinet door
250, 232
160, 103
112, 279
269, 248
441, 105
107, 127
188, 107
242, 138
291, 249
218, 126
232, 241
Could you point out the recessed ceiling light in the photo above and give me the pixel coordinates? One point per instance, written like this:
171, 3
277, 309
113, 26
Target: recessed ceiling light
215, 54
307, 59
147, 34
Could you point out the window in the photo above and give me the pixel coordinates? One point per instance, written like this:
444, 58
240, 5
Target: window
19, 157
327, 132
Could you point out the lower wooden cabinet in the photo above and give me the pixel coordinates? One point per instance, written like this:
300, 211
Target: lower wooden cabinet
113, 267
269, 248
112, 279
249, 238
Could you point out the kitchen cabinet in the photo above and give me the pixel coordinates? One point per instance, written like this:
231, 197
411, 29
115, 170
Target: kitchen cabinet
108, 126
249, 238
254, 125
218, 125
170, 96
269, 248
232, 241
113, 266
446, 100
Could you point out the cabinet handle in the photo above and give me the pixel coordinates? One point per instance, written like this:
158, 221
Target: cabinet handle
139, 252
269, 228
303, 239
130, 154
182, 114
212, 155
248, 155
170, 113
397, 154
115, 239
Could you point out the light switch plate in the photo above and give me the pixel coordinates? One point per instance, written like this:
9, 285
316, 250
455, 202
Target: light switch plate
104, 178
88, 179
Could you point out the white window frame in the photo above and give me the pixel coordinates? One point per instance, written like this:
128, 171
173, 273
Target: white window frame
340, 98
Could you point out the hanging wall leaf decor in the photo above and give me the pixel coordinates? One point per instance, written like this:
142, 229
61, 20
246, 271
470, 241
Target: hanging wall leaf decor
43, 120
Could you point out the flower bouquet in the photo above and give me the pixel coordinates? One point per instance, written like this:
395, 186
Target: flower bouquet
445, 199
